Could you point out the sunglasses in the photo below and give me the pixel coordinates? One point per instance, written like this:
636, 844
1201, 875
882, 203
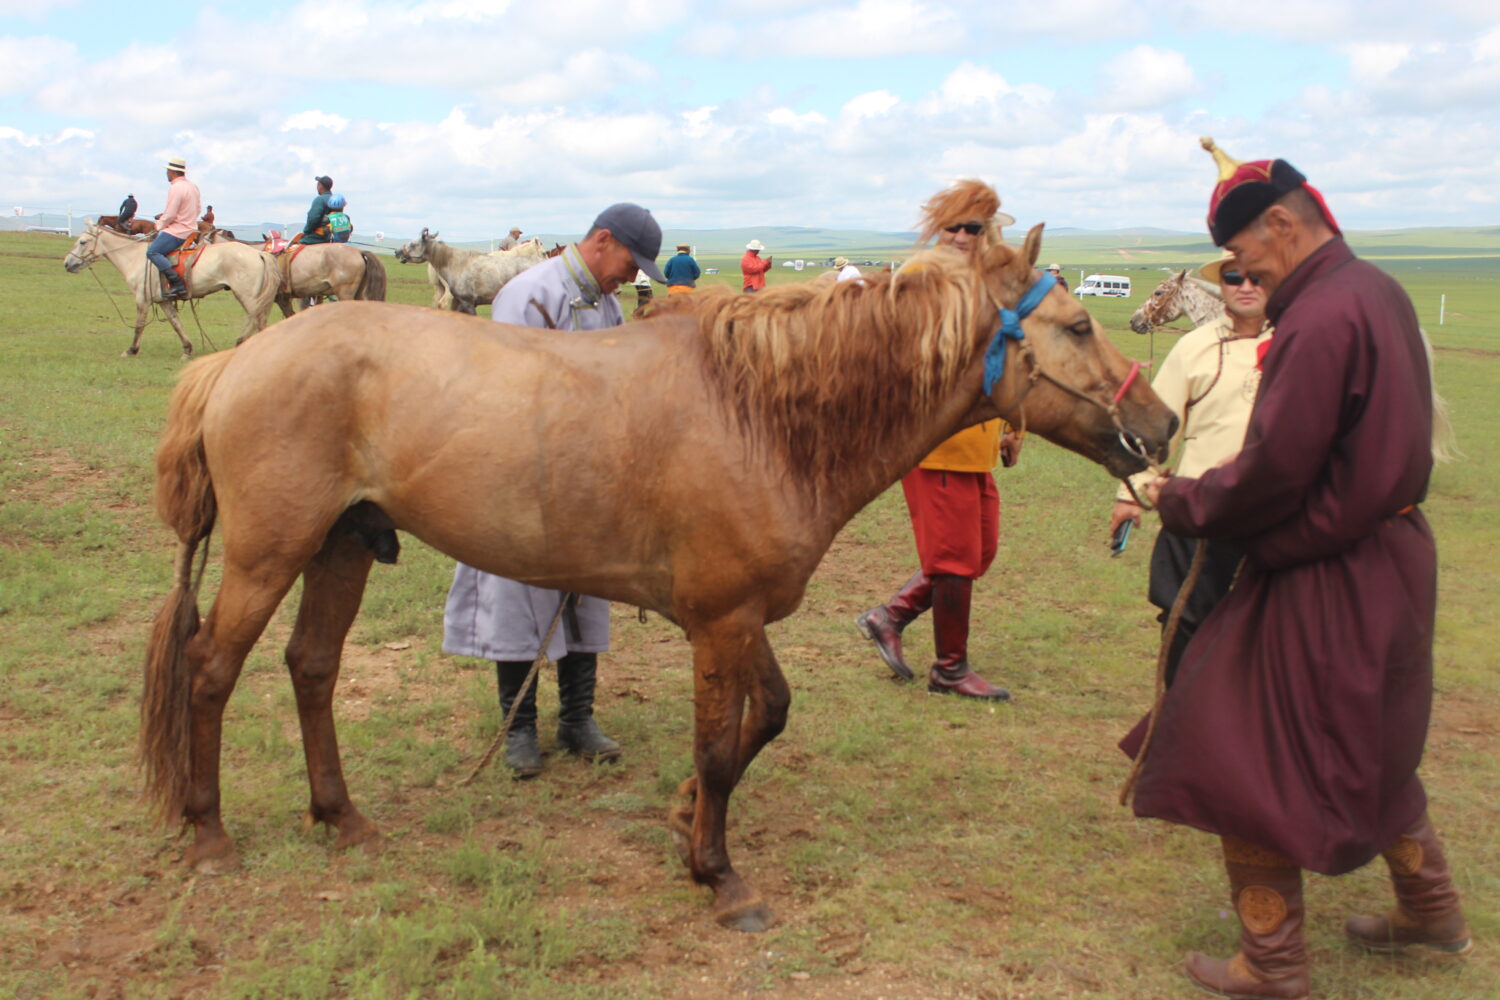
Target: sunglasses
1236, 279
972, 228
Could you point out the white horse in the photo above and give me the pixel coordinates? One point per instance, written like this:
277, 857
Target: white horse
530, 248
473, 278
1180, 295
244, 270
1183, 294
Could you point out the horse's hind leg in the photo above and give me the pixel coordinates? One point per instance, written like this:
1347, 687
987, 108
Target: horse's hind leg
730, 662
333, 586
246, 601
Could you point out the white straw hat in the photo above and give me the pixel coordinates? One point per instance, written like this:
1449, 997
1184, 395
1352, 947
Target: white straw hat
1212, 270
755, 245
177, 163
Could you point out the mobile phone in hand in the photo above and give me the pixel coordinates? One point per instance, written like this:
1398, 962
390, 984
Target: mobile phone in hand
1118, 540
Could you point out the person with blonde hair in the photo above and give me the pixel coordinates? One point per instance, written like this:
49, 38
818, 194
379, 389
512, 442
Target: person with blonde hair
951, 495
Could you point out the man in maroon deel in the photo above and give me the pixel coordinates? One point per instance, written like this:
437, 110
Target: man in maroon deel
1299, 713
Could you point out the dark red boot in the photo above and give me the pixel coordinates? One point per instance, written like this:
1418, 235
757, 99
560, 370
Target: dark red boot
1427, 916
883, 625
950, 673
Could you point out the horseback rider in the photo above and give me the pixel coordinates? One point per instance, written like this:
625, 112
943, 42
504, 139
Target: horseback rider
175, 224
316, 228
127, 214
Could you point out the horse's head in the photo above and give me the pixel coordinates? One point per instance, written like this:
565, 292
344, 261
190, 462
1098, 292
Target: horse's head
85, 250
415, 252
1162, 306
1064, 379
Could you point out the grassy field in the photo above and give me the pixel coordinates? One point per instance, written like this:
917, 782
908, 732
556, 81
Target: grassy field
912, 846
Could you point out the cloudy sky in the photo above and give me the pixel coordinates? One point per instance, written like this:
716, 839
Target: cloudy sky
469, 115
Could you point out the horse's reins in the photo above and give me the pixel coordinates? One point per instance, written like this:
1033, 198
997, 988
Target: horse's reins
994, 369
515, 706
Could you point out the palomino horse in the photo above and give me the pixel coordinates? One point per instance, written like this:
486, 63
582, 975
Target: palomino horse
472, 278
337, 269
1178, 296
245, 271
697, 464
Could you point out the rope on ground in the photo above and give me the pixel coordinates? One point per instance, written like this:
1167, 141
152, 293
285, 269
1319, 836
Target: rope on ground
515, 706
1168, 634
111, 298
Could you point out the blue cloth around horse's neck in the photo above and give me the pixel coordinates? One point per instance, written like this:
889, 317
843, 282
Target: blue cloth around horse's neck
1010, 329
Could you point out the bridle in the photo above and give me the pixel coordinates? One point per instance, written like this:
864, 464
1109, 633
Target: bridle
1010, 329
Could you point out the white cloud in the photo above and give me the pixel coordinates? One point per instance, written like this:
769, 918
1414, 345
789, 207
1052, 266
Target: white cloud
315, 119
867, 29
24, 61
1145, 77
793, 120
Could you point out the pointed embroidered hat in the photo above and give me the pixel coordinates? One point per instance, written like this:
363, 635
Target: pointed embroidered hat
1245, 190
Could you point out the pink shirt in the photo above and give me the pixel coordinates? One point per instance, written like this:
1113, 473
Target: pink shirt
184, 205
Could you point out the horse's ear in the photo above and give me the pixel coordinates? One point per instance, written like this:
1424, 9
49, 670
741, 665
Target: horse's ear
1032, 248
424, 232
1182, 275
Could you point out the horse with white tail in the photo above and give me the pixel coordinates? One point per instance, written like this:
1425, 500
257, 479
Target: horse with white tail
472, 278
243, 270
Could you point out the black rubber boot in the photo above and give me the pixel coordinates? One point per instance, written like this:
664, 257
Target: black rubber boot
176, 288
576, 728
522, 753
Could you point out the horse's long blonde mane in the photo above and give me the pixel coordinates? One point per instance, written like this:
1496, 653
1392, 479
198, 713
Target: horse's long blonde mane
817, 372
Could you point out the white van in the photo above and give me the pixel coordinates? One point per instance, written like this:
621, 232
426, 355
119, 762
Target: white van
1105, 284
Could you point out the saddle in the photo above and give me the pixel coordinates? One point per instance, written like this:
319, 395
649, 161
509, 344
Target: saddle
285, 251
183, 260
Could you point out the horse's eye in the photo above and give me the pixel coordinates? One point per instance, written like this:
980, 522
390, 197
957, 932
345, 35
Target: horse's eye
1083, 328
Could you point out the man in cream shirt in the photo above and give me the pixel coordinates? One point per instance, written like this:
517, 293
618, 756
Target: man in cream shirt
1209, 380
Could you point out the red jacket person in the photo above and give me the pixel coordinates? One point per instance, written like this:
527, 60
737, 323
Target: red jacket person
1299, 713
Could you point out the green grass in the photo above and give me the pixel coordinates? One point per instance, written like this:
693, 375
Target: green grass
912, 846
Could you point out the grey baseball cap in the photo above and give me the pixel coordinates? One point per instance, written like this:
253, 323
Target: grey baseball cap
633, 226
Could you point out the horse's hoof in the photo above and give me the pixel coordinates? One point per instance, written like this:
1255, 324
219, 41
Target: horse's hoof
753, 917
129, 352
220, 859
359, 831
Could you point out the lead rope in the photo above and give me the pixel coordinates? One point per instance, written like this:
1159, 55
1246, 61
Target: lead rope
515, 706
1168, 634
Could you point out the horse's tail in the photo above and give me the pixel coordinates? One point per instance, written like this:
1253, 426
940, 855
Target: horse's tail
372, 285
1444, 440
185, 501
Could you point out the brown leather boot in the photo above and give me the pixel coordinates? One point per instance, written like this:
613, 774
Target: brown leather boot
884, 624
1427, 916
1267, 894
950, 673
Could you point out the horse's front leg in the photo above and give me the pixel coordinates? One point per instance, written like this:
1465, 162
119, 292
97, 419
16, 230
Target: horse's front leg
333, 585
170, 310
142, 316
724, 668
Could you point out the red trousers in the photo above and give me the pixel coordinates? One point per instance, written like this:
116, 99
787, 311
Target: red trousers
956, 518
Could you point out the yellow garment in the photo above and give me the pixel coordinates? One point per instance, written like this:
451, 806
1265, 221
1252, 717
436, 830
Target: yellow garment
973, 449
679, 289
